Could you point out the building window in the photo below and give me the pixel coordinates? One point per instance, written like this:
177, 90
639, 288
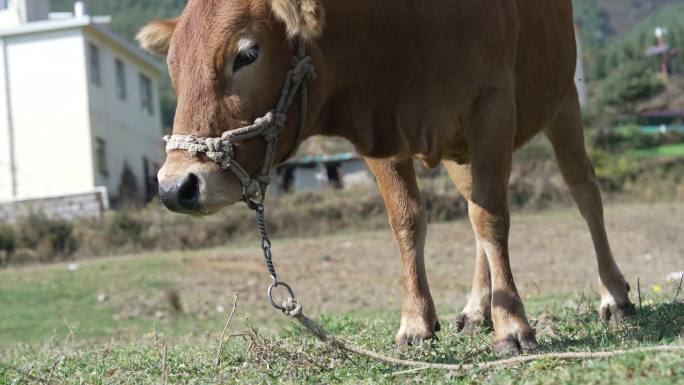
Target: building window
94, 60
101, 155
120, 79
146, 102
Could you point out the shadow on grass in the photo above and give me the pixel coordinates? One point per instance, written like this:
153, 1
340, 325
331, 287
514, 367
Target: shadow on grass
662, 323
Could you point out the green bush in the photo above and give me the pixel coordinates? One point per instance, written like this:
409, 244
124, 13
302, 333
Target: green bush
619, 141
124, 230
630, 83
613, 171
48, 239
7, 244
628, 138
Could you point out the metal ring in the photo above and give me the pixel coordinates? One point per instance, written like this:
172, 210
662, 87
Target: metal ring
290, 293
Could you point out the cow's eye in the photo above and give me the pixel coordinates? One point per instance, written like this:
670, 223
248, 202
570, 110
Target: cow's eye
245, 57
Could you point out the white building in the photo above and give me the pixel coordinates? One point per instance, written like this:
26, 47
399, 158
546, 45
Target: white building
77, 102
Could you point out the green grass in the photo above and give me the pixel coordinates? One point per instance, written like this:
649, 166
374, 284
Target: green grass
293, 357
52, 326
662, 151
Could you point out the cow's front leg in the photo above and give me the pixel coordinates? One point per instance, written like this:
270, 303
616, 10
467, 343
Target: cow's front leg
491, 150
406, 213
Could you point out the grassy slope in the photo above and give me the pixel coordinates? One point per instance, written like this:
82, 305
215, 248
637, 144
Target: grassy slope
295, 358
52, 322
672, 150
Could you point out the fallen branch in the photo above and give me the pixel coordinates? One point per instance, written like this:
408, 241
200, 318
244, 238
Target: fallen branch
219, 352
679, 289
165, 366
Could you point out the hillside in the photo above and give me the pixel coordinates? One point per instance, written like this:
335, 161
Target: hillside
613, 30
128, 15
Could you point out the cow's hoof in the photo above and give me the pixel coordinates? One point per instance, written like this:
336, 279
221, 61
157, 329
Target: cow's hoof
414, 339
515, 344
468, 324
616, 311
413, 336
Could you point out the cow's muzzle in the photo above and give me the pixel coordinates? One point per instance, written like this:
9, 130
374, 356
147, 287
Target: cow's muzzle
181, 195
188, 186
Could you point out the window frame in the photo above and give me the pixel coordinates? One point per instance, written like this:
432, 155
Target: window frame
101, 156
120, 79
94, 64
146, 94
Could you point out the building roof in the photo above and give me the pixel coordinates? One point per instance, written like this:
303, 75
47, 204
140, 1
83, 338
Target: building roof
99, 24
663, 114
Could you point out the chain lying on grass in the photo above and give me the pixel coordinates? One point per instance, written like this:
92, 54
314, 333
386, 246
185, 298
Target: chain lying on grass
293, 309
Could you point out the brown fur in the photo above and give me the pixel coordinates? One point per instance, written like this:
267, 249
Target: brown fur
156, 36
302, 18
460, 82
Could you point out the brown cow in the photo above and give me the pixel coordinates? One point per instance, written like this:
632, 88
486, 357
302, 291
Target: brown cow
464, 83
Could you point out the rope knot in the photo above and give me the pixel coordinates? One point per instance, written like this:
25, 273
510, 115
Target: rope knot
215, 149
303, 69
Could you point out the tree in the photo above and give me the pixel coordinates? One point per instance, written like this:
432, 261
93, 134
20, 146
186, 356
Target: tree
129, 195
628, 84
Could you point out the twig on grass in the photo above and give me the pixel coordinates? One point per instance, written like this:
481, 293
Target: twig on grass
679, 289
639, 291
219, 351
409, 371
155, 334
579, 305
165, 366
52, 369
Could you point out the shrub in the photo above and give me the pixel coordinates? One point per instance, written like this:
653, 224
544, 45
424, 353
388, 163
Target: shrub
613, 171
626, 139
124, 230
48, 238
7, 244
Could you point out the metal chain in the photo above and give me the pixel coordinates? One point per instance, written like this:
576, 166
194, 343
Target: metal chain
259, 211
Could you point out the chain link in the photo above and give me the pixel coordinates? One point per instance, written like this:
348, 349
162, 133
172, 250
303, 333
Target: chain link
258, 207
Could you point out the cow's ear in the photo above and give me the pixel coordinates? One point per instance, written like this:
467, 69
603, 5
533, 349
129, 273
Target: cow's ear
155, 37
302, 18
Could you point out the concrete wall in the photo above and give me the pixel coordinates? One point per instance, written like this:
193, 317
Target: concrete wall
130, 133
91, 204
48, 95
5, 159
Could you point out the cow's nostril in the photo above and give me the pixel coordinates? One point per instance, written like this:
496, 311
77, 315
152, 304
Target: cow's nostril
188, 192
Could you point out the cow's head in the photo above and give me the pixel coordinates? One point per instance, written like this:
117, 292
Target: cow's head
228, 61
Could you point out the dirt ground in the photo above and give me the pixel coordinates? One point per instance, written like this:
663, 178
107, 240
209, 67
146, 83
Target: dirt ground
360, 273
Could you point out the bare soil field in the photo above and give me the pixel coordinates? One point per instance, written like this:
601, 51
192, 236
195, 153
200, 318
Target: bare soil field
551, 252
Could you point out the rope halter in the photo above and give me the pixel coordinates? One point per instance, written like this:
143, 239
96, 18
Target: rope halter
270, 126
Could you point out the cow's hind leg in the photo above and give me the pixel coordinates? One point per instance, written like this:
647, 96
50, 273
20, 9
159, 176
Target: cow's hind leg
477, 311
567, 137
399, 189
491, 138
